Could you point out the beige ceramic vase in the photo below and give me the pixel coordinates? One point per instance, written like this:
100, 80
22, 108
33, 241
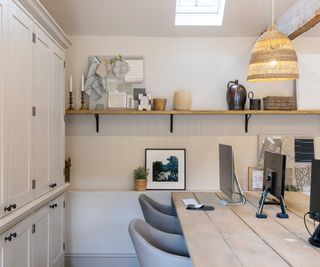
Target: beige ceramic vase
182, 100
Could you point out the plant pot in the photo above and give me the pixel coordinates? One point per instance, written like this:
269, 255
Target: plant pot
159, 104
140, 184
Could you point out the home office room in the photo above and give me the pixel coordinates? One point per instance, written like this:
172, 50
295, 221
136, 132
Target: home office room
159, 133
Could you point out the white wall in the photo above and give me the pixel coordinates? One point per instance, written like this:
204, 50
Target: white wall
104, 161
202, 65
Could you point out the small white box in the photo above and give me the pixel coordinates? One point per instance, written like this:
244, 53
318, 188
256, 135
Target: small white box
117, 100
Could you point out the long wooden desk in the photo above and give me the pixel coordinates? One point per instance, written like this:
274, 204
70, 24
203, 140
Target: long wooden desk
232, 236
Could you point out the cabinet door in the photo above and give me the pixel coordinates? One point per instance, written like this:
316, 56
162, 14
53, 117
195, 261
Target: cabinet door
3, 39
17, 251
2, 258
41, 238
18, 163
42, 69
57, 215
57, 128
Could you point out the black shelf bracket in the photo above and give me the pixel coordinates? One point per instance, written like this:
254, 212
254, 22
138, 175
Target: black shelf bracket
97, 122
247, 119
171, 123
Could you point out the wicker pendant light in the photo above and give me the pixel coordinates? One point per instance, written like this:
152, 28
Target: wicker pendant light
273, 57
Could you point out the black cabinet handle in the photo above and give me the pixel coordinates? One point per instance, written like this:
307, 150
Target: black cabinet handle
53, 205
10, 207
53, 185
8, 238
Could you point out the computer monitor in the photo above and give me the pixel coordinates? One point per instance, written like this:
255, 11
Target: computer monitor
274, 174
228, 178
315, 201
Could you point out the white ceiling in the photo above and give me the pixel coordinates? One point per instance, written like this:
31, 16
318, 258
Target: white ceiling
156, 18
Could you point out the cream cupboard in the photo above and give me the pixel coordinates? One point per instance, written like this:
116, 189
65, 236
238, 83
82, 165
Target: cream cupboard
31, 136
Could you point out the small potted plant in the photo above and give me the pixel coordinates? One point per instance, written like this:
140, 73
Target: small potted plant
140, 178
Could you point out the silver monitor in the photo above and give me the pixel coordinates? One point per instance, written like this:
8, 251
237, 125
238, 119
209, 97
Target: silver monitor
228, 178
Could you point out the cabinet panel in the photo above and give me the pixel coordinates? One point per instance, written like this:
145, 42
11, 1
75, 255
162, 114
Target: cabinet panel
57, 129
17, 252
2, 263
42, 68
57, 217
18, 163
3, 29
41, 238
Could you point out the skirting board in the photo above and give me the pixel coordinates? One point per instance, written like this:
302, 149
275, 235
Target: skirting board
101, 260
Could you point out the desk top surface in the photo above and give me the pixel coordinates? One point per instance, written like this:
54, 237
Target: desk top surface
232, 236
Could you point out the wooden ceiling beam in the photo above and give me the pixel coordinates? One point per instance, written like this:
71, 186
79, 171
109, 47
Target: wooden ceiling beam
300, 18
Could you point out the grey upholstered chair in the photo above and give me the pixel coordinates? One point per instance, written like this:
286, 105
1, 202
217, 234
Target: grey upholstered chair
160, 216
158, 249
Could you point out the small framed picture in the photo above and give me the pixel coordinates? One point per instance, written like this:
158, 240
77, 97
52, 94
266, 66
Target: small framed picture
167, 169
144, 102
255, 179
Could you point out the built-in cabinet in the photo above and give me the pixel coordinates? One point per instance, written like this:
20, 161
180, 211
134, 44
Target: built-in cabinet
38, 240
31, 136
32, 109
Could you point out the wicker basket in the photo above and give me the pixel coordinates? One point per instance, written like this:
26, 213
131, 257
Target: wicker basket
279, 103
140, 184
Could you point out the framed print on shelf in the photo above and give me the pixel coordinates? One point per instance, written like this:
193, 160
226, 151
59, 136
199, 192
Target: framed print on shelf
167, 168
255, 179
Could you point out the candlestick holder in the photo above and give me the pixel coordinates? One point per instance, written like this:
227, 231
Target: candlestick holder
70, 101
82, 101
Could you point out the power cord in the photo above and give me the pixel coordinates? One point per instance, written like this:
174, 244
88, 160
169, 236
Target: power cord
315, 215
305, 222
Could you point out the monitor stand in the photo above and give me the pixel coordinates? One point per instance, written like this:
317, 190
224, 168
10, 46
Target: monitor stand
260, 215
314, 240
242, 199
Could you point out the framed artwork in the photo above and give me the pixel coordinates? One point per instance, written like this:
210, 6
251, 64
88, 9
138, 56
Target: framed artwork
255, 179
167, 168
144, 102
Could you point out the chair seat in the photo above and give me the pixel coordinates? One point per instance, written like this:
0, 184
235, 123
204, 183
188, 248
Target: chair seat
158, 249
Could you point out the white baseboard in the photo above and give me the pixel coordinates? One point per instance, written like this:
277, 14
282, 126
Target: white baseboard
101, 260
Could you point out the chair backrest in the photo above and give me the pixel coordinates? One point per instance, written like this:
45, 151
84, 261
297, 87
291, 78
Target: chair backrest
155, 248
159, 220
166, 209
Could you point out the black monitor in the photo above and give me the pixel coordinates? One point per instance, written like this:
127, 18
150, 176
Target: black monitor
274, 175
315, 201
228, 178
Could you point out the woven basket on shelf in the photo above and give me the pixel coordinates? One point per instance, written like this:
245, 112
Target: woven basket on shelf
140, 184
279, 103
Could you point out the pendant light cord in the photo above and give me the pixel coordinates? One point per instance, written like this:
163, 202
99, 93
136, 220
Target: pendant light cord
273, 23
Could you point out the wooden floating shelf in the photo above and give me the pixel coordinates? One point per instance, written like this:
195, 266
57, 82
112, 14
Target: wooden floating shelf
171, 113
192, 112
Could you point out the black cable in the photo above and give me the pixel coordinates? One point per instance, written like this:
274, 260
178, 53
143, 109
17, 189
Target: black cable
305, 222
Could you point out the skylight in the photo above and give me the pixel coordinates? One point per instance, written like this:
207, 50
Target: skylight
199, 12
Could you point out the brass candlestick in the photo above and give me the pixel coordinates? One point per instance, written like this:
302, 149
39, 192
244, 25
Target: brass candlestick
70, 101
82, 101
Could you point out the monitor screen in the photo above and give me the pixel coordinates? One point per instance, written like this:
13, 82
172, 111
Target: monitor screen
315, 190
226, 169
274, 171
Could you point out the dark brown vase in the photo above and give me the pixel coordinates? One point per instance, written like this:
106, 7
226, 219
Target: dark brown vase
236, 95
